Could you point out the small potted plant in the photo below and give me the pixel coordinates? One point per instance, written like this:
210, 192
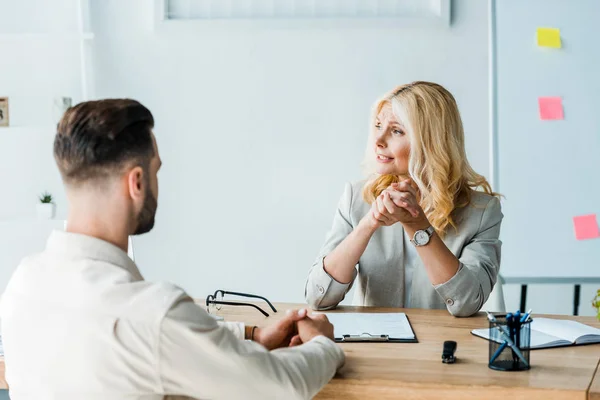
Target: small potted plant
46, 206
596, 303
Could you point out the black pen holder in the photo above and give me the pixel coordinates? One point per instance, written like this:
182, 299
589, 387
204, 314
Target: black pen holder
502, 356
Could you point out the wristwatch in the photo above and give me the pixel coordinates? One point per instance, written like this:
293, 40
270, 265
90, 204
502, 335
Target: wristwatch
422, 237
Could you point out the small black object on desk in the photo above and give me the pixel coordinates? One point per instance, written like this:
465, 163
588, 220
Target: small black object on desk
448, 353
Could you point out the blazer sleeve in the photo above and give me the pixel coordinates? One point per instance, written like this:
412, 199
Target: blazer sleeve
321, 291
467, 291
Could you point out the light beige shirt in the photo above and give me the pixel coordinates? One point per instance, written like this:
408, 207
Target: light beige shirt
80, 322
381, 270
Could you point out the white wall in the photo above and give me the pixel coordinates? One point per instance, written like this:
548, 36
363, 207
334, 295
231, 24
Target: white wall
39, 60
259, 126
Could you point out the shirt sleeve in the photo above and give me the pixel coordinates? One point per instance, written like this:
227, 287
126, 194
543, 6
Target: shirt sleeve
237, 328
200, 358
322, 291
467, 291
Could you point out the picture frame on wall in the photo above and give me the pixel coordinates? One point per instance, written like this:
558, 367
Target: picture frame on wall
4, 111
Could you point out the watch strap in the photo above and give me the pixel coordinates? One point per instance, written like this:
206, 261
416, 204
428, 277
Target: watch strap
429, 232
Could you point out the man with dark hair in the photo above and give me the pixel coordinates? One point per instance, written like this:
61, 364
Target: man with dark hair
80, 322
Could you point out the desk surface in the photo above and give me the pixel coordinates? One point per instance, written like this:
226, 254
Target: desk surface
414, 370
595, 387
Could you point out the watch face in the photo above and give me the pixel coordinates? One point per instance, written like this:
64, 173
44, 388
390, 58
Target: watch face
421, 238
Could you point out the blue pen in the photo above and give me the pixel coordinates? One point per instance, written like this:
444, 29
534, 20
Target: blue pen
497, 353
509, 324
507, 338
525, 316
517, 327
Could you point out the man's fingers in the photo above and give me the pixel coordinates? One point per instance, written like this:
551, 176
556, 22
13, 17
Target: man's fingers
320, 317
296, 341
295, 315
288, 322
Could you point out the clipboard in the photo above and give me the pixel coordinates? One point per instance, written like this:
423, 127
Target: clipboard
368, 338
395, 322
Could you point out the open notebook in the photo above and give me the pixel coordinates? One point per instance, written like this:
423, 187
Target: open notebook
546, 332
371, 327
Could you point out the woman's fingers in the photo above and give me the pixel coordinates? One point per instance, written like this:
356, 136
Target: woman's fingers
405, 200
405, 186
397, 200
402, 199
383, 219
380, 217
411, 210
409, 199
380, 206
389, 203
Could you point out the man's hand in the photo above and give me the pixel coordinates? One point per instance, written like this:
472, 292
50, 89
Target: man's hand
311, 327
281, 332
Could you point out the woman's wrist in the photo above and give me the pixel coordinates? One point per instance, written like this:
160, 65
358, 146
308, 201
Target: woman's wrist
367, 225
413, 226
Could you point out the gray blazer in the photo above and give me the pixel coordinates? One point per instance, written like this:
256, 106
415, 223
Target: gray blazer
381, 267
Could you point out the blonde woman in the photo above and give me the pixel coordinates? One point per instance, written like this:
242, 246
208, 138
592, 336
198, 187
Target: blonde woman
423, 228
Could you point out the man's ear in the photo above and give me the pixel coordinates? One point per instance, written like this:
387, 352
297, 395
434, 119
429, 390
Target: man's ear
135, 181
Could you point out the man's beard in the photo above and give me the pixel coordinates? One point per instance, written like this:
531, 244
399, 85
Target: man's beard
146, 216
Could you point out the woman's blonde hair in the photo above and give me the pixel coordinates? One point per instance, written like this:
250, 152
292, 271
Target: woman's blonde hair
438, 162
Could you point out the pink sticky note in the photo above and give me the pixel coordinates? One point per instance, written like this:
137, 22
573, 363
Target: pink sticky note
586, 227
551, 108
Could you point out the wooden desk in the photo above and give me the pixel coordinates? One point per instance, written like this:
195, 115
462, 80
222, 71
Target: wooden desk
3, 384
415, 371
594, 393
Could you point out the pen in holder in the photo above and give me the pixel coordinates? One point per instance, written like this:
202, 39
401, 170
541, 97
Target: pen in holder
510, 337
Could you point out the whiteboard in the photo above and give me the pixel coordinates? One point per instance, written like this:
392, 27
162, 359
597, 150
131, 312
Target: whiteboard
549, 171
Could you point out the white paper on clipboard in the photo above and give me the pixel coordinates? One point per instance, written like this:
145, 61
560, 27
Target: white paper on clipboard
393, 325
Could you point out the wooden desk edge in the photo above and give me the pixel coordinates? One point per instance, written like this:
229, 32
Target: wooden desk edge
594, 390
3, 384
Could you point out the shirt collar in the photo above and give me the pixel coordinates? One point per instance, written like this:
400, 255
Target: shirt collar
75, 245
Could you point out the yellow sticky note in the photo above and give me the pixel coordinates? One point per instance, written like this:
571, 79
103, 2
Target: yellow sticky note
549, 37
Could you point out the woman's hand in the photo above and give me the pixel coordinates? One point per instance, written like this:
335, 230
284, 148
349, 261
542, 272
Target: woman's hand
398, 203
